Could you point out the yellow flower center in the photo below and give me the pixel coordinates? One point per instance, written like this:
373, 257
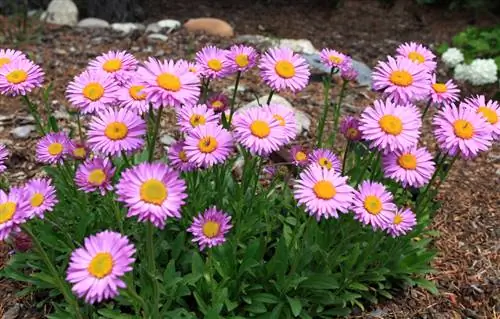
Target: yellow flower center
169, 82
96, 177
401, 78
300, 156
208, 144
197, 119
416, 57
112, 65
408, 161
241, 60
335, 59
373, 204
324, 162
183, 156
101, 265
260, 129
391, 124
17, 76
324, 190
217, 104
80, 152
135, 92
439, 87
93, 91
7, 210
285, 69
489, 114
215, 64
463, 129
352, 133
116, 131
55, 149
398, 219
4, 61
280, 119
37, 200
211, 229
153, 191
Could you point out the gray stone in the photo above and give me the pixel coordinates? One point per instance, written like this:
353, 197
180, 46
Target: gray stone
93, 23
62, 12
61, 115
298, 45
13, 312
157, 36
6, 119
364, 77
258, 39
25, 119
153, 28
22, 132
167, 140
167, 25
127, 27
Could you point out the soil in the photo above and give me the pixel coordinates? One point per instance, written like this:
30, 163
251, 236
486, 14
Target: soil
467, 266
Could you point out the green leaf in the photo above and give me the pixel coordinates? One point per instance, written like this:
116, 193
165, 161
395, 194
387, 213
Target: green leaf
358, 286
319, 281
256, 308
197, 265
265, 298
113, 314
427, 284
295, 306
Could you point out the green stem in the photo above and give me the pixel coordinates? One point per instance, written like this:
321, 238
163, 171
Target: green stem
333, 135
370, 158
327, 82
150, 251
426, 108
270, 97
35, 114
206, 83
80, 132
375, 167
118, 214
155, 134
125, 159
233, 99
346, 154
70, 299
132, 293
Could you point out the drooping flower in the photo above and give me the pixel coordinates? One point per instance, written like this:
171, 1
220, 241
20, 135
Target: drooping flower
114, 131
335, 59
95, 174
92, 91
131, 96
189, 117
299, 156
241, 57
20, 77
153, 192
4, 154
286, 119
14, 210
401, 80
169, 83
326, 159
349, 127
120, 64
8, 55
373, 205
349, 73
213, 62
452, 57
443, 93
419, 54
210, 228
177, 157
96, 269
42, 196
218, 102
323, 192
389, 127
460, 130
53, 148
412, 167
208, 145
282, 69
402, 221
79, 150
490, 110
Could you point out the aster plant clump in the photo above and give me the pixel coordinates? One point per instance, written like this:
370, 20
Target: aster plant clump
118, 229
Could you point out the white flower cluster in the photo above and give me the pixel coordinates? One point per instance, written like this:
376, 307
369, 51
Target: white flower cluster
452, 57
479, 72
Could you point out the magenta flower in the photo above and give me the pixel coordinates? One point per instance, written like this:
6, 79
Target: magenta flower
20, 77
192, 67
282, 69
373, 205
14, 210
120, 64
489, 110
213, 62
418, 54
8, 55
218, 102
412, 167
131, 96
334, 59
78, 150
241, 58
286, 119
402, 221
42, 196
177, 157
4, 154
95, 174
208, 145
53, 148
349, 127
210, 228
443, 93
189, 117
349, 73
299, 156
326, 159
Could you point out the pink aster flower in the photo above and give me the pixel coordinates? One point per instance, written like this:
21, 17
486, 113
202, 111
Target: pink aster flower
349, 127
131, 96
177, 157
97, 268
412, 167
14, 210
78, 150
299, 156
189, 117
53, 148
209, 228
402, 221
8, 55
241, 58
489, 110
208, 145
95, 174
192, 67
373, 205
258, 130
349, 73
120, 64
334, 59
92, 91
42, 196
401, 80
326, 159
20, 77
323, 192
4, 154
169, 83
443, 93
282, 69
114, 131
153, 192
389, 127
286, 119
418, 54
218, 102
461, 131
213, 62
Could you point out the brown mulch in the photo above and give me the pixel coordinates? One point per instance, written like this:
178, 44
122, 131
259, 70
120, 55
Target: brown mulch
467, 266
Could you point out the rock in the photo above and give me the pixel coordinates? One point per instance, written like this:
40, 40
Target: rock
167, 140
13, 312
210, 26
364, 77
61, 115
127, 27
157, 36
298, 45
6, 119
258, 39
25, 119
168, 24
153, 28
62, 12
22, 132
241, 88
93, 23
